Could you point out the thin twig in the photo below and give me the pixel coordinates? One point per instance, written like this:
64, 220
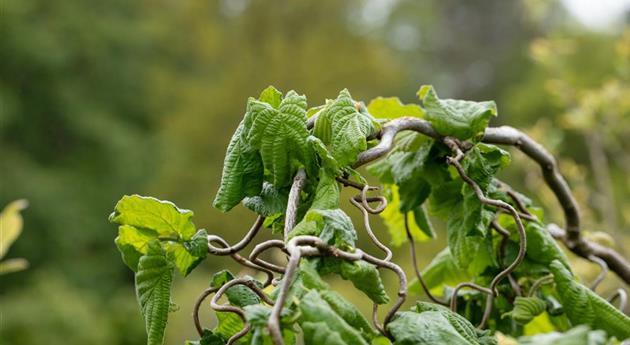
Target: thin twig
602, 273
455, 162
293, 202
368, 229
622, 295
506, 135
412, 250
547, 279
227, 250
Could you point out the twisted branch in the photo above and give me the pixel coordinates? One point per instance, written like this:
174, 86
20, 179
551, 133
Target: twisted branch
455, 162
506, 135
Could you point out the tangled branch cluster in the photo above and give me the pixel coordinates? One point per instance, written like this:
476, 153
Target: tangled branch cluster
309, 246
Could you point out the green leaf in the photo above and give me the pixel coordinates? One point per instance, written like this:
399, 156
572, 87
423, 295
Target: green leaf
316, 333
163, 217
442, 271
208, 338
333, 226
270, 201
459, 323
326, 160
526, 309
349, 313
153, 289
456, 118
327, 193
228, 325
132, 244
473, 253
144, 219
242, 172
317, 313
344, 126
541, 246
280, 135
269, 144
11, 224
272, 96
392, 107
238, 295
427, 328
364, 276
583, 306
393, 217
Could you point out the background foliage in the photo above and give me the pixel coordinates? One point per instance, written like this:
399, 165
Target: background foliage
99, 99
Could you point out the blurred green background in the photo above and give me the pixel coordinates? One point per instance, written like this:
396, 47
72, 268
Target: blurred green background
104, 98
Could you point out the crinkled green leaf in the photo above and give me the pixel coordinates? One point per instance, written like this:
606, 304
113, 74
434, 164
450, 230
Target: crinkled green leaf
344, 126
392, 107
364, 276
442, 271
580, 335
312, 280
242, 172
541, 246
238, 295
333, 226
583, 306
316, 333
473, 253
160, 216
280, 135
327, 193
269, 202
427, 328
456, 118
526, 309
153, 289
483, 161
326, 160
459, 323
316, 312
269, 144
208, 338
349, 313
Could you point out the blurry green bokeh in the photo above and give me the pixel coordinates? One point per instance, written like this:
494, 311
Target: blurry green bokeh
101, 99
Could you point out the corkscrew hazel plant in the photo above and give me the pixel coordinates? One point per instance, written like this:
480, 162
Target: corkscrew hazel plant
503, 269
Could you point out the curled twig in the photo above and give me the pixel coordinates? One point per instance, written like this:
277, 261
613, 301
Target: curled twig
506, 135
227, 250
368, 228
197, 306
300, 246
455, 162
602, 273
622, 295
260, 248
412, 250
547, 279
247, 263
251, 284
